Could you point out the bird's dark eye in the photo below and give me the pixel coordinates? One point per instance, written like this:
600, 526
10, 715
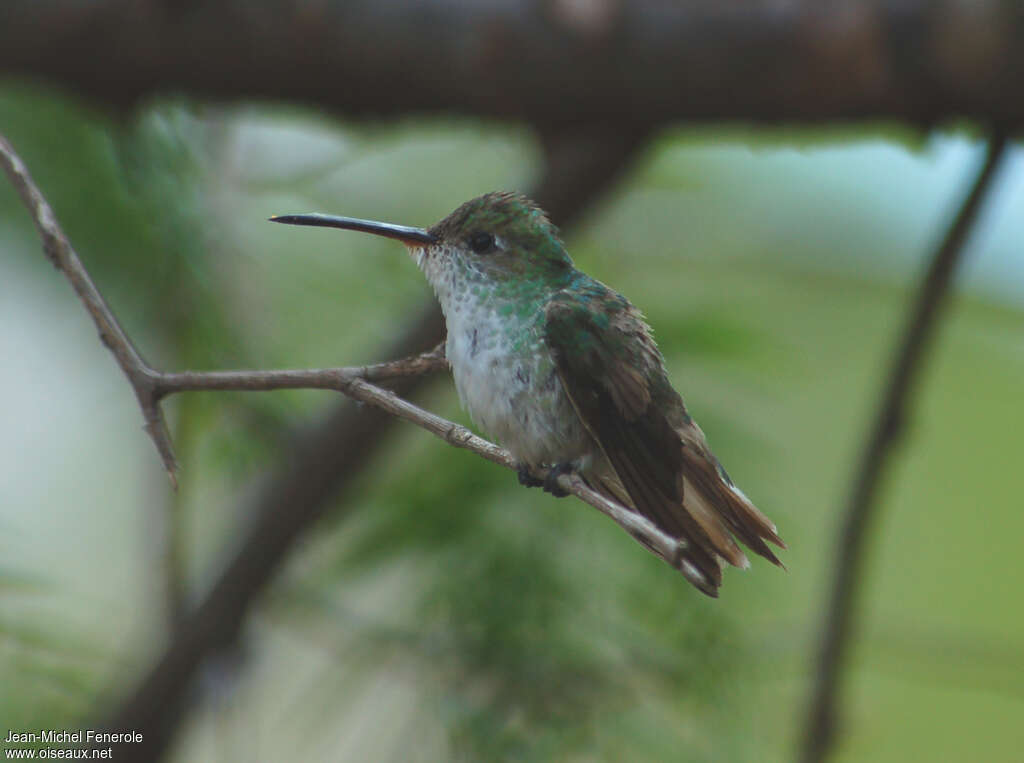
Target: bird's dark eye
481, 242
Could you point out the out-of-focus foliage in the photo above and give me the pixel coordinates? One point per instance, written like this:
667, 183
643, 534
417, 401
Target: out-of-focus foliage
451, 613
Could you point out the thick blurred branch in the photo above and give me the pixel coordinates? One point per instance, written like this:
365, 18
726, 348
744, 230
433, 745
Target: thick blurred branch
554, 63
819, 733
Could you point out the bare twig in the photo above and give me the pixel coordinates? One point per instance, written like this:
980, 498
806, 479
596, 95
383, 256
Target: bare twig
565, 64
62, 255
820, 731
307, 378
454, 434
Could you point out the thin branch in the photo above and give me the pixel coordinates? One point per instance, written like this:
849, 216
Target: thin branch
564, 64
60, 252
820, 730
458, 436
167, 383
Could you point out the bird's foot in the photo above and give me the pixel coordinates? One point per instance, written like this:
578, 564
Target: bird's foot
551, 481
526, 478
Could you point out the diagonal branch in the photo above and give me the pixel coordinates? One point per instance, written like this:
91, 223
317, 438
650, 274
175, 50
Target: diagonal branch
458, 436
819, 733
63, 256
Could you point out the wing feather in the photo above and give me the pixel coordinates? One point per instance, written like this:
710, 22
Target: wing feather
614, 375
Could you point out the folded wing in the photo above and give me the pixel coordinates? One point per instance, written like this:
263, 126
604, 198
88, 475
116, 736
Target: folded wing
614, 375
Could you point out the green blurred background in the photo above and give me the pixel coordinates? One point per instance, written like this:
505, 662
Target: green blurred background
452, 614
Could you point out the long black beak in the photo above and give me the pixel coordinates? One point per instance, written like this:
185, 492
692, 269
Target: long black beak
402, 233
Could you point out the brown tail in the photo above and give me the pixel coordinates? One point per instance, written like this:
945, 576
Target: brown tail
719, 506
711, 512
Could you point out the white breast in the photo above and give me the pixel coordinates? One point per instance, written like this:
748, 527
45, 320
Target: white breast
506, 379
510, 388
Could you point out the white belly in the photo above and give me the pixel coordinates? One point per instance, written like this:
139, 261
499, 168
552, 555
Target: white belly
511, 389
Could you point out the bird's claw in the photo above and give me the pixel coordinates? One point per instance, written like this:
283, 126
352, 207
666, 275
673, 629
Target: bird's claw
551, 481
526, 478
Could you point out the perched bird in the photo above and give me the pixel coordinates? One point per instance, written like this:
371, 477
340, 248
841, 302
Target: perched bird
564, 372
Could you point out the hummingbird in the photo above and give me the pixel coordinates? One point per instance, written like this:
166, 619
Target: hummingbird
564, 372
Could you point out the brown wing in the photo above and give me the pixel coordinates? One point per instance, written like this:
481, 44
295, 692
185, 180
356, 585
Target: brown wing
613, 373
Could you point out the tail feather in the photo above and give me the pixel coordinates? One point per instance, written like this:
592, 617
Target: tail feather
746, 522
704, 510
